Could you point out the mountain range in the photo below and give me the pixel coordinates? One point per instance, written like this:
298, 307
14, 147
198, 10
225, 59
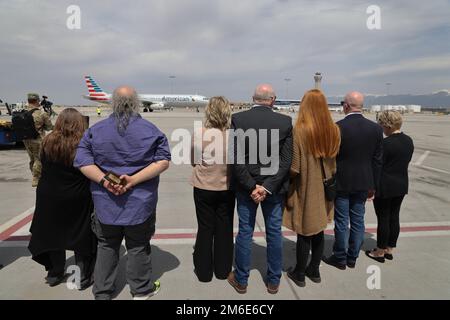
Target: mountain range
440, 99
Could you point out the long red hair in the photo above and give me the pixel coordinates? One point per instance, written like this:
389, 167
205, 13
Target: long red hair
60, 146
317, 130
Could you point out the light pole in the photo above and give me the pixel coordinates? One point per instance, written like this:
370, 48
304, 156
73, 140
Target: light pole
388, 87
287, 87
172, 78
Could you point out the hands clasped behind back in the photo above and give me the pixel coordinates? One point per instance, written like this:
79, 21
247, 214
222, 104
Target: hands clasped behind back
120, 189
259, 194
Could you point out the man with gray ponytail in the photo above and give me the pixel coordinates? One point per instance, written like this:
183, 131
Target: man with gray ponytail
123, 156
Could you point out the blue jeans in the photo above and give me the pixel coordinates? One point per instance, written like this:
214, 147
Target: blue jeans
349, 209
272, 209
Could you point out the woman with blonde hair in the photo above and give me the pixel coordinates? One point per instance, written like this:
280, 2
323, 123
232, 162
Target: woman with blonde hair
309, 207
398, 149
62, 217
214, 201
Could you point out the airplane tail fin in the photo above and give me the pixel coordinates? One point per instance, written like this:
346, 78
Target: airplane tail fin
95, 92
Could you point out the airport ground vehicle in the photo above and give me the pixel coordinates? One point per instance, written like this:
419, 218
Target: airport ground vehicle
7, 135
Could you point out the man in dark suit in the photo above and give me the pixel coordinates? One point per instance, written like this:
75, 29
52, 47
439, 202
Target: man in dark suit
262, 145
358, 172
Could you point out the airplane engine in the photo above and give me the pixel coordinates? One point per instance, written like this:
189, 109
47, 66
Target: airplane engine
157, 106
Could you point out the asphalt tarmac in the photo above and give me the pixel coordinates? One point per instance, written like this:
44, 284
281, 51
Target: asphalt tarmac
418, 271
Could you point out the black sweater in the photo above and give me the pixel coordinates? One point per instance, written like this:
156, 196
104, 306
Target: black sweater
397, 153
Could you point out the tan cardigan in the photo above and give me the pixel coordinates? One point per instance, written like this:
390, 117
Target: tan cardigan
210, 173
307, 212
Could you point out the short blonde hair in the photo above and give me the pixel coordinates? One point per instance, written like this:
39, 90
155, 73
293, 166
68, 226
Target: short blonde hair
218, 113
390, 119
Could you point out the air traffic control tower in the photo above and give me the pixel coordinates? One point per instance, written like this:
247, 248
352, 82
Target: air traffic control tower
318, 80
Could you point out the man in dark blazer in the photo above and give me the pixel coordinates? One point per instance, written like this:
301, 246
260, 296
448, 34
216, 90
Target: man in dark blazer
262, 145
358, 172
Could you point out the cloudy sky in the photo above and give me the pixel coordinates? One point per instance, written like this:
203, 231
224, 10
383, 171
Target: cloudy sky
223, 47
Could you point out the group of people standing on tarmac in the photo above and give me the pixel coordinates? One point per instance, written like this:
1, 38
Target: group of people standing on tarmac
326, 172
99, 186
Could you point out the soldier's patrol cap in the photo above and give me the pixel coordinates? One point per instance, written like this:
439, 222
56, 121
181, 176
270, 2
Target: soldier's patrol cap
33, 96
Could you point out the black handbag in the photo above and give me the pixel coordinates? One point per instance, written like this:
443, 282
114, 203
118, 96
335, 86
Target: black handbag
329, 184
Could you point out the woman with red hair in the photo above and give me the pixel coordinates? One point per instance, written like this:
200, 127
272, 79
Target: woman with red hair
308, 208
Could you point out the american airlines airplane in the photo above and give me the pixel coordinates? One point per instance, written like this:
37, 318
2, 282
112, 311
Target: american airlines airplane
293, 105
150, 102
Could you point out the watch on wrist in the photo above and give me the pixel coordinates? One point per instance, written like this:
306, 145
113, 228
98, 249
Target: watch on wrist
102, 182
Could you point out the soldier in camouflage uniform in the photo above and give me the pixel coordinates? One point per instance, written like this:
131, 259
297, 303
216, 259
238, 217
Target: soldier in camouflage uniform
42, 123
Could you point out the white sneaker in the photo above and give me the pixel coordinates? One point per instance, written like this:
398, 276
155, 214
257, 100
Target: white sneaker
151, 294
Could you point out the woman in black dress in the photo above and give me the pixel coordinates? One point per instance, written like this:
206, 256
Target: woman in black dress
398, 149
62, 218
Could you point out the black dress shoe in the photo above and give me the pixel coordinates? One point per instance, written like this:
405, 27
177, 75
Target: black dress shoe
313, 275
332, 261
86, 284
54, 281
378, 259
389, 256
298, 279
351, 264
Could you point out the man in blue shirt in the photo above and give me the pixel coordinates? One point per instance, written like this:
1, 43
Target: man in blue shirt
138, 152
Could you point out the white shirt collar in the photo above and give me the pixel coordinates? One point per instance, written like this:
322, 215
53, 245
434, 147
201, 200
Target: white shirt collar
260, 105
352, 113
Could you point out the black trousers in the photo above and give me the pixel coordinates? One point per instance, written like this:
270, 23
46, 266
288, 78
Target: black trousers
213, 251
305, 244
388, 216
58, 262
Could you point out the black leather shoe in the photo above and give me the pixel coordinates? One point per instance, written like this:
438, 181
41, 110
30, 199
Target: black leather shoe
389, 256
378, 259
299, 280
86, 284
54, 281
313, 275
332, 261
351, 264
